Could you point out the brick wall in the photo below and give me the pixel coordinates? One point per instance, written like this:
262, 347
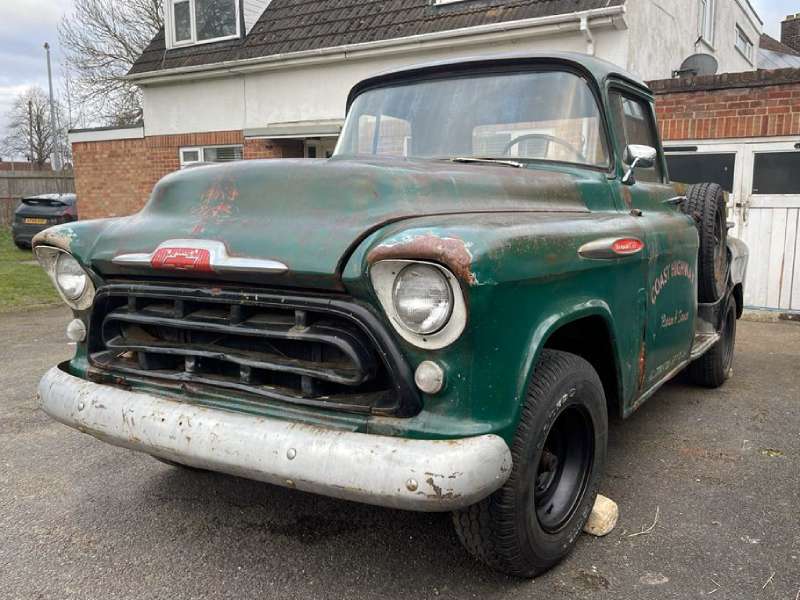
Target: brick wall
115, 178
734, 105
272, 149
790, 31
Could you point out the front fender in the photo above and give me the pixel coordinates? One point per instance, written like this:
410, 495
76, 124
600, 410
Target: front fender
563, 315
522, 279
79, 237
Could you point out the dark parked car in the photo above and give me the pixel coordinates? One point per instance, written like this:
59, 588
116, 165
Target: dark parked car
37, 213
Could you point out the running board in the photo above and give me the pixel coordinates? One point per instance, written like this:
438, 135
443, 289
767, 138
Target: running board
703, 341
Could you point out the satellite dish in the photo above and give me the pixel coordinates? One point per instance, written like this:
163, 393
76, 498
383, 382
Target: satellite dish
697, 65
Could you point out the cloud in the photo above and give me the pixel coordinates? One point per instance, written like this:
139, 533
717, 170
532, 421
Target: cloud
773, 12
24, 28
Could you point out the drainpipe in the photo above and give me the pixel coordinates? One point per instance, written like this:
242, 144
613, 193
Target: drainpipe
587, 33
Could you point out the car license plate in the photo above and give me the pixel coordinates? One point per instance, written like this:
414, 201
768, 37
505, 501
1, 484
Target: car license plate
33, 221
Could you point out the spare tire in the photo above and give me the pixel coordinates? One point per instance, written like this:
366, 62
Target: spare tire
705, 202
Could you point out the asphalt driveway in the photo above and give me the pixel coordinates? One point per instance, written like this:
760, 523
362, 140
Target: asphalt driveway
721, 469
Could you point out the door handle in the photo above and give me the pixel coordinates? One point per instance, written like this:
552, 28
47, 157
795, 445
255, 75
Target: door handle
744, 209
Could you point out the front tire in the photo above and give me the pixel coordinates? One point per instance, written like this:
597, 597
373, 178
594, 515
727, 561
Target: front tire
559, 453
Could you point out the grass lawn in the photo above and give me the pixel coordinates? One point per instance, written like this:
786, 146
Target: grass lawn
23, 283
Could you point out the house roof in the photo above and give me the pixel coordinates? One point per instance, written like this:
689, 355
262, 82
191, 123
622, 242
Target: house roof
770, 43
288, 26
773, 54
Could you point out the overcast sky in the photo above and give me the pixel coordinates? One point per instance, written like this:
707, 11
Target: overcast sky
26, 24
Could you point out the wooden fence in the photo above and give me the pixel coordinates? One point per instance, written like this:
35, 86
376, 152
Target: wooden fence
21, 184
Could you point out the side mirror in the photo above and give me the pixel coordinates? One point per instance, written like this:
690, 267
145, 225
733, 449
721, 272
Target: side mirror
638, 157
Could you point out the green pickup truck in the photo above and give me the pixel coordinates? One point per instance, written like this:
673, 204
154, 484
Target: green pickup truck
440, 317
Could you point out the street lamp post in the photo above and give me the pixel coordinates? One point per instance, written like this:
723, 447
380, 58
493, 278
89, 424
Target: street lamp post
54, 132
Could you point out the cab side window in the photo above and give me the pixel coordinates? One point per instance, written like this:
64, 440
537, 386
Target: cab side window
634, 125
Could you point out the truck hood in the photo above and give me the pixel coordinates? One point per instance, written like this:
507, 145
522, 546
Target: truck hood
310, 215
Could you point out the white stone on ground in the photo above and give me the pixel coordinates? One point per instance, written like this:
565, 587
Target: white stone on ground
603, 518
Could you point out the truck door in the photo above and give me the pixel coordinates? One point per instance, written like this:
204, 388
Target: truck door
671, 243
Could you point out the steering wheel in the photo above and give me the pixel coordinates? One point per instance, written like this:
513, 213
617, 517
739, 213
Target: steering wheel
550, 139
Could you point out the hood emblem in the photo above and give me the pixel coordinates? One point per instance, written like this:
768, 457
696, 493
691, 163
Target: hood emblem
198, 256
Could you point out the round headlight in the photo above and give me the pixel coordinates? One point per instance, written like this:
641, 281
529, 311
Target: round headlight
423, 299
70, 277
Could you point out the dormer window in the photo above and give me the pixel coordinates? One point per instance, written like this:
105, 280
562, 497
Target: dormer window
202, 21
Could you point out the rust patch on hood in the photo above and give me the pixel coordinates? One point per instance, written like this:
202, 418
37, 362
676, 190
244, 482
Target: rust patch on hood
217, 203
450, 252
58, 237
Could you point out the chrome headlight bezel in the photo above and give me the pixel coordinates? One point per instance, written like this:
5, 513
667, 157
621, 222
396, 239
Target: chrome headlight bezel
384, 274
48, 257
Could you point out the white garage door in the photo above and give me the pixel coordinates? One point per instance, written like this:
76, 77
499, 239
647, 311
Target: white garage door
764, 181
768, 223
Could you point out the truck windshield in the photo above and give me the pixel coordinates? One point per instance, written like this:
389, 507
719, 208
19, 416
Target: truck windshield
544, 115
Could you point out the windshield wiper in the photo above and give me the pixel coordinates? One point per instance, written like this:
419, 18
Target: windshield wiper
489, 161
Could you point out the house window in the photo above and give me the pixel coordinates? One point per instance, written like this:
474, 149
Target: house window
210, 154
743, 44
707, 20
703, 167
202, 21
776, 173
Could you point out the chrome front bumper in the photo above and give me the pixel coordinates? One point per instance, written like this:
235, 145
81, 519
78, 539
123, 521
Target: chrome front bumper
396, 472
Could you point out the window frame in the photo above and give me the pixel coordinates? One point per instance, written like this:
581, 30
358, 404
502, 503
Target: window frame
742, 35
202, 154
631, 93
503, 68
169, 16
706, 24
701, 154
762, 154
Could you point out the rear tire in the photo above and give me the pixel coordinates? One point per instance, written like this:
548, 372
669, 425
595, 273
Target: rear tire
559, 453
705, 202
715, 367
21, 245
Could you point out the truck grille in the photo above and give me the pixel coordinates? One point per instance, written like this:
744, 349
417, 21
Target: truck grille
263, 347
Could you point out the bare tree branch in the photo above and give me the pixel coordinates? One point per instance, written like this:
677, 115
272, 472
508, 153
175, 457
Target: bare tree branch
29, 131
101, 40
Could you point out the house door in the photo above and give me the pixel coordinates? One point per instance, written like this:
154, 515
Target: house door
321, 148
768, 215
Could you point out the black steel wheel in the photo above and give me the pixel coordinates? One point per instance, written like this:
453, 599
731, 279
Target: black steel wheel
559, 452
563, 470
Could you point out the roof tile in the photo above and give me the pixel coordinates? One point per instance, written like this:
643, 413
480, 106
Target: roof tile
296, 25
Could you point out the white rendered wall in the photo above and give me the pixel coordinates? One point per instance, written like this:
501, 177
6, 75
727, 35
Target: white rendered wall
663, 33
317, 92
